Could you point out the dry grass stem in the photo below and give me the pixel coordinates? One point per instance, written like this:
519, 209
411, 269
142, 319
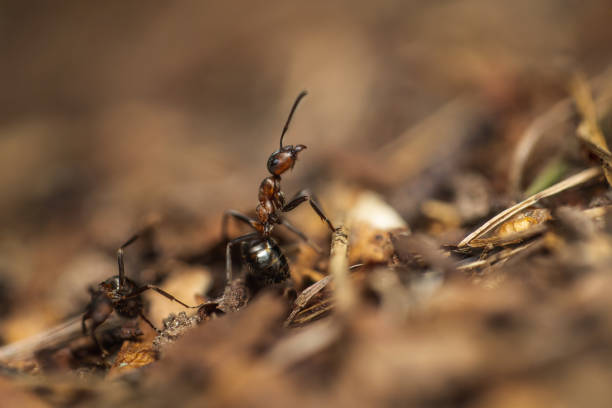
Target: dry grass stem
555, 115
573, 181
589, 130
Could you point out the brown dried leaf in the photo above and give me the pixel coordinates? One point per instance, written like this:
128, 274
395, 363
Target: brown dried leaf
131, 356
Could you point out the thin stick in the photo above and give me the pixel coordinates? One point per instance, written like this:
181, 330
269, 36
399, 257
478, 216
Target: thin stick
503, 255
573, 181
338, 269
48, 339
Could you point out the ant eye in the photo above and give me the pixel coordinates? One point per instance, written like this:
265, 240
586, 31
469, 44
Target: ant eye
274, 162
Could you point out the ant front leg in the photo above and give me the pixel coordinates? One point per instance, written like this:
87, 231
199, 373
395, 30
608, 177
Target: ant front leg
306, 195
300, 234
100, 309
162, 292
238, 216
228, 254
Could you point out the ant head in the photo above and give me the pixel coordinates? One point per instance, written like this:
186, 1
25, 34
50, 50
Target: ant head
111, 284
284, 158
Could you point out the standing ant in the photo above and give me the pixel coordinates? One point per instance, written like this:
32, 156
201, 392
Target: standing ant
266, 262
120, 294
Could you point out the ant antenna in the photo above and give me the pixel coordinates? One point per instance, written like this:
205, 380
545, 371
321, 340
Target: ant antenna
295, 104
120, 259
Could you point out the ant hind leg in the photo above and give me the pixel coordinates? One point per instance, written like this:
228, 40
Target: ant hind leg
302, 236
98, 317
228, 254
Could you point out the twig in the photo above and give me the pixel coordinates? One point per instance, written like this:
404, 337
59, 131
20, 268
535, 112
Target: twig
338, 269
49, 339
566, 184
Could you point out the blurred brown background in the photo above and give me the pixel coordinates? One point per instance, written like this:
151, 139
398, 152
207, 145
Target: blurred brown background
113, 113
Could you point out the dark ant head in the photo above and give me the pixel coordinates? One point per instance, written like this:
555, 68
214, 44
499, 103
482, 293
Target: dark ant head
110, 288
284, 158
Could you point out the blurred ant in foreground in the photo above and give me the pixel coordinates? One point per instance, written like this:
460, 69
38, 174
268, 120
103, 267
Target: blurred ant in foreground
120, 294
266, 262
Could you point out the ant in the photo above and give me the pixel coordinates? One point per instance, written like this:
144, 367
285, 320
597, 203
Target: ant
120, 294
266, 262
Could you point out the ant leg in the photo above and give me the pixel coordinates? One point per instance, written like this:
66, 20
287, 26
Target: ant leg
162, 292
237, 215
228, 254
300, 234
307, 195
86, 315
149, 322
100, 311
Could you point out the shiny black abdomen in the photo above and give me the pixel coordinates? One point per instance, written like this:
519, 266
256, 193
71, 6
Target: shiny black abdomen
267, 263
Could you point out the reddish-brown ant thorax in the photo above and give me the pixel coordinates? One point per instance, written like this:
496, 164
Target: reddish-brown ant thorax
284, 159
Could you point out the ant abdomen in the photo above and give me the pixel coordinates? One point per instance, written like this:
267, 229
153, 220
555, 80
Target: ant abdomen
266, 262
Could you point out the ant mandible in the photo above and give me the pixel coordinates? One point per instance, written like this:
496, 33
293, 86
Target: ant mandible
120, 294
266, 262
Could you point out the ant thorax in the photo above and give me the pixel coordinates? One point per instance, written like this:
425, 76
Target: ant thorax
271, 201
